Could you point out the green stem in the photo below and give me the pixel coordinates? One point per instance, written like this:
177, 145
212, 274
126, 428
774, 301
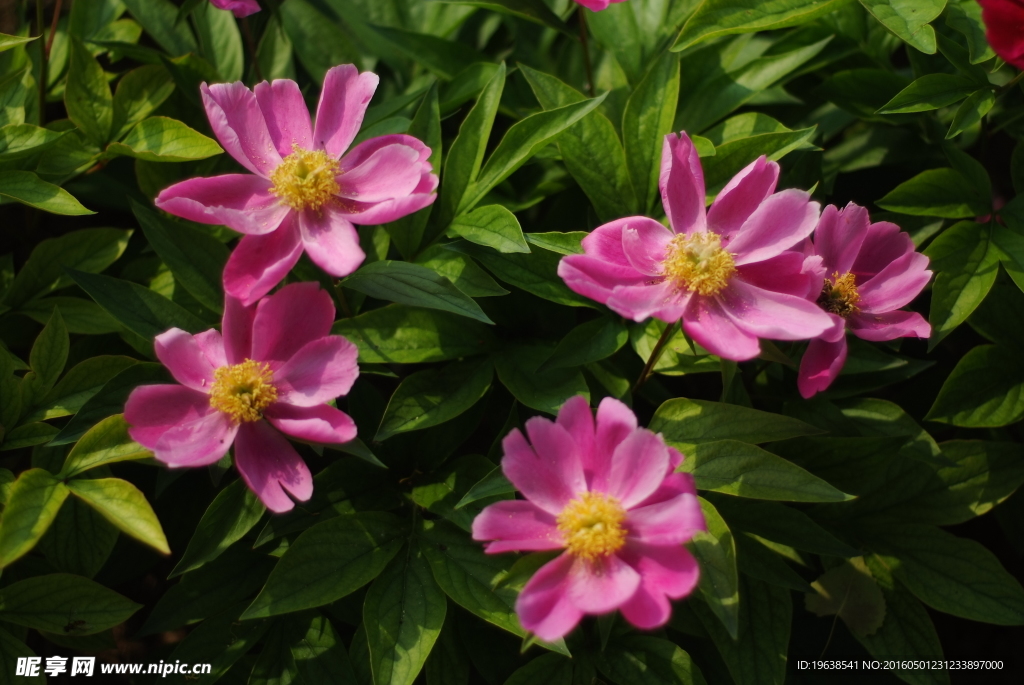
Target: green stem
659, 347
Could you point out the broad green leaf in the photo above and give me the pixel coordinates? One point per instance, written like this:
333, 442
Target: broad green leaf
493, 484
461, 270
1000, 317
448, 663
195, 258
519, 370
398, 334
232, 514
138, 94
965, 16
741, 139
79, 541
442, 491
532, 10
850, 592
758, 561
687, 422
716, 18
403, 614
8, 42
82, 382
220, 641
547, 669
31, 507
783, 525
28, 189
159, 139
908, 20
715, 549
971, 112
569, 242
433, 396
862, 91
445, 58
318, 41
985, 390
589, 342
413, 285
647, 118
21, 140
48, 356
65, 604
966, 266
80, 315
304, 649
125, 506
741, 469
329, 561
27, 435
158, 19
932, 91
645, 660
491, 226
105, 443
275, 54
87, 96
408, 232
679, 356
636, 33
221, 41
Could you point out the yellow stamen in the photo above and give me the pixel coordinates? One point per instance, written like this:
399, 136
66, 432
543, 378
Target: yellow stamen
698, 263
839, 295
243, 391
592, 526
306, 179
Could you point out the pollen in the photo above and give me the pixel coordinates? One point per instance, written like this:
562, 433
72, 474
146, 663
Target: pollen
243, 391
306, 179
839, 295
699, 263
592, 526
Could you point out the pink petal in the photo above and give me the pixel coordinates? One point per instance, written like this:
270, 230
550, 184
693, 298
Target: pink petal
889, 326
516, 525
839, 237
321, 424
320, 371
741, 196
783, 220
550, 473
669, 522
883, 244
615, 422
212, 346
343, 101
286, 115
790, 272
645, 245
596, 5
595, 278
820, 365
178, 425
259, 262
241, 202
669, 571
543, 607
674, 485
601, 586
767, 314
638, 465
895, 285
386, 211
238, 123
240, 8
682, 185
576, 417
331, 241
383, 168
181, 354
270, 466
706, 322
605, 242
237, 326
663, 300
288, 320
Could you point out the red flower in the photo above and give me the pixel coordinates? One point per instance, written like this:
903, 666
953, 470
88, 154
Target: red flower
1004, 27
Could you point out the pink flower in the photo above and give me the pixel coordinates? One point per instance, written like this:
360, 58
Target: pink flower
271, 372
597, 5
240, 8
1004, 28
727, 272
303, 193
868, 271
609, 496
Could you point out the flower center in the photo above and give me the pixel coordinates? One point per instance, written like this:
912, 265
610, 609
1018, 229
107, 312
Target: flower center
243, 391
305, 179
698, 263
839, 295
592, 525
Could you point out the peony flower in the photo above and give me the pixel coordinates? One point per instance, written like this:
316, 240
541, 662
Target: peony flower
868, 271
305, 191
609, 496
240, 8
597, 5
1004, 28
271, 372
726, 272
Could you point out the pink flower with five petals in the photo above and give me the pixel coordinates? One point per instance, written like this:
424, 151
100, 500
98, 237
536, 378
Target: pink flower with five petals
727, 272
869, 271
607, 493
240, 8
271, 372
305, 191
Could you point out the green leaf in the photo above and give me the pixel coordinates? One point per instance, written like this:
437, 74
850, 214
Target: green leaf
932, 91
87, 96
105, 443
646, 120
79, 541
782, 525
232, 514
80, 315
491, 226
304, 649
590, 149
319, 42
22, 140
715, 549
589, 342
715, 18
461, 270
569, 242
443, 490
971, 112
743, 138
195, 258
328, 561
33, 503
12, 651
850, 592
737, 468
138, 94
398, 334
125, 506
65, 604
519, 370
160, 139
965, 16
494, 484
431, 397
28, 189
985, 390
221, 41
936, 192
27, 435
687, 422
966, 266
81, 383
532, 10
219, 641
644, 660
446, 58
547, 669
758, 561
908, 20
413, 285
48, 356
8, 42
402, 614
158, 19
408, 232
